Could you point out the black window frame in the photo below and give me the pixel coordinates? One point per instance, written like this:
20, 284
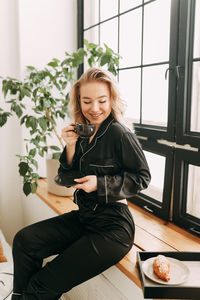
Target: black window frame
177, 132
180, 217
168, 132
161, 209
185, 59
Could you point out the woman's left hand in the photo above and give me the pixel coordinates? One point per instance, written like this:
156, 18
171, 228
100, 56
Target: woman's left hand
87, 183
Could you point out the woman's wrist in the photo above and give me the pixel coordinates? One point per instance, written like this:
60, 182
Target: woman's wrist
70, 150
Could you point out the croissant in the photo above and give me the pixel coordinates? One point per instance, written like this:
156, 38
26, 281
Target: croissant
161, 267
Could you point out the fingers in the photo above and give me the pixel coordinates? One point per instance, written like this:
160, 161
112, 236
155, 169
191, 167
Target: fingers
68, 134
67, 130
78, 186
81, 180
87, 183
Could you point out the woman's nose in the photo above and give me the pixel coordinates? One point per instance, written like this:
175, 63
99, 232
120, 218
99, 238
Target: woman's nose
95, 106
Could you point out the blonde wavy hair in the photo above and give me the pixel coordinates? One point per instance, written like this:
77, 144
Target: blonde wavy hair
99, 75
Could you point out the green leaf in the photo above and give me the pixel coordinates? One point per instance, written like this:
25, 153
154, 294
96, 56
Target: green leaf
32, 152
86, 43
53, 64
5, 87
44, 139
27, 188
34, 162
33, 122
45, 148
112, 69
22, 105
35, 176
23, 119
108, 50
55, 148
105, 59
64, 84
90, 45
33, 187
17, 109
91, 60
56, 155
31, 68
43, 123
3, 118
26, 92
23, 168
41, 153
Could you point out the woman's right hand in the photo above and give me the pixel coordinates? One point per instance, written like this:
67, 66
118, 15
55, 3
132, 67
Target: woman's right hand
69, 136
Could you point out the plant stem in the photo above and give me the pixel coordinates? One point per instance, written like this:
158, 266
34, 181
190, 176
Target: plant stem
54, 129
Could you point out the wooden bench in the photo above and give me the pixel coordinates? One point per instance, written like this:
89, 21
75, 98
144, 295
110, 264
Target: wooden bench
151, 234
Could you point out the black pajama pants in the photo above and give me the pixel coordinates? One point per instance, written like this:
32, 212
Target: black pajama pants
84, 247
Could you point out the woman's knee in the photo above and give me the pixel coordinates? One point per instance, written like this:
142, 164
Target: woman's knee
22, 239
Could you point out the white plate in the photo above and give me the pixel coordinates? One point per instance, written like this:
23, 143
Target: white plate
179, 272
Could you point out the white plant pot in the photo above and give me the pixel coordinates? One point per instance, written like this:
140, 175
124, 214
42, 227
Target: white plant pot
52, 166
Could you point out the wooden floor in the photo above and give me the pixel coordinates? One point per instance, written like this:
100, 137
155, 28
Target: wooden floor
151, 234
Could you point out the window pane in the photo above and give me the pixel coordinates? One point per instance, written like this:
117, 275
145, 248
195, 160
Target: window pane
193, 191
91, 12
92, 35
195, 108
130, 47
108, 9
109, 34
156, 31
157, 166
155, 96
128, 4
129, 81
197, 31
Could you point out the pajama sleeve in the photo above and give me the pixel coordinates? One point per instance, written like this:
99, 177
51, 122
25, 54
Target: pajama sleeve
134, 177
64, 166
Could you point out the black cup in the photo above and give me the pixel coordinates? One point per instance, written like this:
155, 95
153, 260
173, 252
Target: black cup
84, 130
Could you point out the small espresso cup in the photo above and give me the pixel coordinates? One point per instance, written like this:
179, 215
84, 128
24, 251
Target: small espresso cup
84, 130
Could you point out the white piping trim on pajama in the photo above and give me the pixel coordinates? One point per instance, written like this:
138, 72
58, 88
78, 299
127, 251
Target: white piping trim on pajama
95, 207
106, 189
108, 166
93, 145
75, 196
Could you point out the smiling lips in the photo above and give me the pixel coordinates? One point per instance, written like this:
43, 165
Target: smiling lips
95, 116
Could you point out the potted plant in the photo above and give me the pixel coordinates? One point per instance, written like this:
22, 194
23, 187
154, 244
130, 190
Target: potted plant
46, 92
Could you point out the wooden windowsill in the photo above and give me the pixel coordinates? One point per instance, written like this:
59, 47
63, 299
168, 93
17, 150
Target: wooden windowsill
151, 234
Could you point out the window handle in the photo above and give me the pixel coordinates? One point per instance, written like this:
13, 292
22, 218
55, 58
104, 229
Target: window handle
168, 69
177, 68
148, 209
177, 71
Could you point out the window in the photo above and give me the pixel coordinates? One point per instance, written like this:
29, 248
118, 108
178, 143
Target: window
156, 199
186, 205
159, 77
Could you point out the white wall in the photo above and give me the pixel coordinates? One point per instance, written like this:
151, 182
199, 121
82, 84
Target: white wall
11, 212
32, 32
47, 29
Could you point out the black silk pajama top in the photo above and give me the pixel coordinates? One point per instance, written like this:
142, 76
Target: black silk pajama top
116, 158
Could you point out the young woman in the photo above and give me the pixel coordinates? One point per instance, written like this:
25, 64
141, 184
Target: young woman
101, 232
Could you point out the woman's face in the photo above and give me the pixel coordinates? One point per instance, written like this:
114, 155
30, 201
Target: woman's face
95, 101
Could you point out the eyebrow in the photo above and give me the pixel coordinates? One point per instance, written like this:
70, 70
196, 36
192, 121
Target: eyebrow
85, 97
